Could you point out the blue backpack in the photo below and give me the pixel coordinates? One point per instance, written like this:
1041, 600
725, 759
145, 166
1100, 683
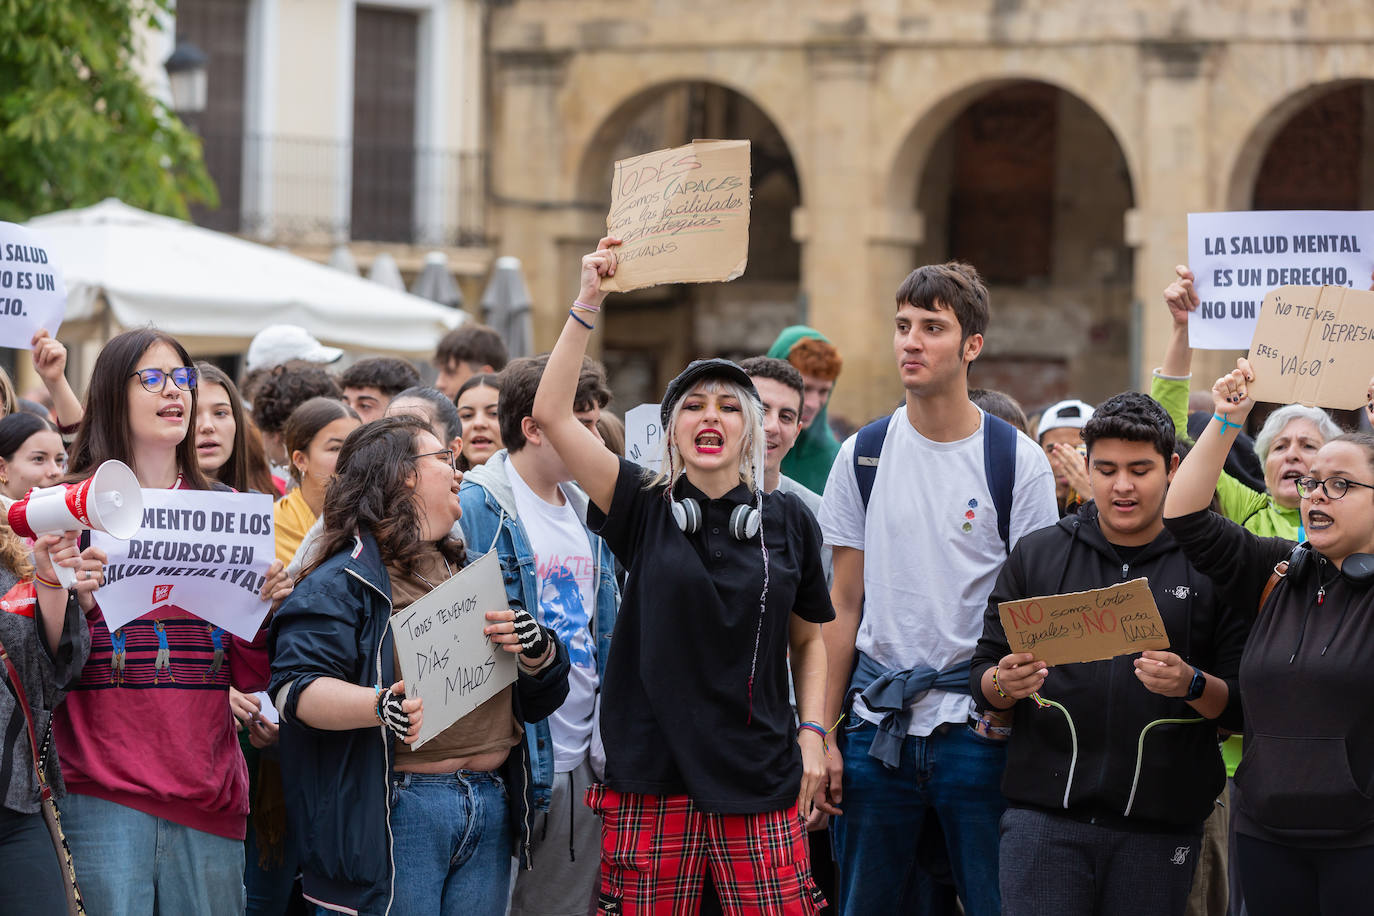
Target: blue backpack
999, 464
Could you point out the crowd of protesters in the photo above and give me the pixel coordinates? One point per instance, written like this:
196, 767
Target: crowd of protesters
769, 676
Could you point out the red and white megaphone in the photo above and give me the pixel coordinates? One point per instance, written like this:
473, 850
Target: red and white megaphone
110, 500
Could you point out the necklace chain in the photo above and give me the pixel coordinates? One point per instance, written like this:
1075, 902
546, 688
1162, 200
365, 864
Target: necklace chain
448, 569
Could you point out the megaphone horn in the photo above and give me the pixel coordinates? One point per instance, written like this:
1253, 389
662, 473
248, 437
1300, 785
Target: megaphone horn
110, 500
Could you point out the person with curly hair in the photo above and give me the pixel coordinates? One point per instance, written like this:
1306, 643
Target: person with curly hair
281, 391
427, 831
819, 363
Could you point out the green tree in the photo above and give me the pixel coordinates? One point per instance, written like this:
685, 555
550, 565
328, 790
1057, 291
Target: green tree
77, 124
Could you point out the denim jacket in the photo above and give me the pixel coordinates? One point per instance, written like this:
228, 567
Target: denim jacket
490, 520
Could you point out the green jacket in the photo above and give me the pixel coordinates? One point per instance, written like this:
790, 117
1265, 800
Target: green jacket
1256, 512
810, 459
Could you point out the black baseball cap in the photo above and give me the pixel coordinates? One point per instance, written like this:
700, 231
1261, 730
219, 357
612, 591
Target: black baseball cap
697, 370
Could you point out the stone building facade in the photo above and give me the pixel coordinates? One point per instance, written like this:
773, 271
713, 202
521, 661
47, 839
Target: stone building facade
1058, 145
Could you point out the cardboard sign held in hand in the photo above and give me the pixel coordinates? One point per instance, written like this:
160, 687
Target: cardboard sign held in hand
1085, 626
1314, 345
682, 214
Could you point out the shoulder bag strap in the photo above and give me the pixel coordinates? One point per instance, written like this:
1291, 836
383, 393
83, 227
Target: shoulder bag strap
17, 688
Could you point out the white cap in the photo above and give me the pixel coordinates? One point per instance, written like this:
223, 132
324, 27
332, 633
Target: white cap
282, 343
1069, 414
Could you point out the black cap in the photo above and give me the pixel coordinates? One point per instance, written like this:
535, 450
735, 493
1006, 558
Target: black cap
697, 370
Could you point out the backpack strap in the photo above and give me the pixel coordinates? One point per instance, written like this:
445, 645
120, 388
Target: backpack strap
999, 467
868, 446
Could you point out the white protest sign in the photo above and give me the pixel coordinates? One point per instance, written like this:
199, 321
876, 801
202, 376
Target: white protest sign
1238, 258
644, 436
201, 551
446, 660
32, 294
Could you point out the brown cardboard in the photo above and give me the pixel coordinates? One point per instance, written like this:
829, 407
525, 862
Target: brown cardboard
1314, 345
1085, 626
682, 214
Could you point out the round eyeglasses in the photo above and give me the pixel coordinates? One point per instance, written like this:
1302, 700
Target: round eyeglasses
1333, 487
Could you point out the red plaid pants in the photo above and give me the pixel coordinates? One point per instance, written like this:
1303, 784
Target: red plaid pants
655, 850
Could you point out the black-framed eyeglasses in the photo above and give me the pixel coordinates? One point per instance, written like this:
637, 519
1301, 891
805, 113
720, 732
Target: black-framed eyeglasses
447, 454
155, 380
1333, 487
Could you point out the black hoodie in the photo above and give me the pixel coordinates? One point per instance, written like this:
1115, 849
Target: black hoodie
1307, 777
1098, 746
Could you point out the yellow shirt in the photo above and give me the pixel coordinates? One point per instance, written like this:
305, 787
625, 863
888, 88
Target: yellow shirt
293, 519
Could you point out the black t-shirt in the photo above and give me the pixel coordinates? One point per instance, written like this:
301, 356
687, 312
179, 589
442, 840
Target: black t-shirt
676, 712
1128, 554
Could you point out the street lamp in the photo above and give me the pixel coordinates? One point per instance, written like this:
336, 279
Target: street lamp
187, 74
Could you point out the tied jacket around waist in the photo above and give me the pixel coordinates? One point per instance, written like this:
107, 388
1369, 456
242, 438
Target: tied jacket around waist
338, 800
1100, 746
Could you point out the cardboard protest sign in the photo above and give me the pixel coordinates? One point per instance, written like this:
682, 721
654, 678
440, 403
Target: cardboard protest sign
682, 214
1085, 626
446, 660
1238, 258
201, 551
1314, 345
32, 294
644, 436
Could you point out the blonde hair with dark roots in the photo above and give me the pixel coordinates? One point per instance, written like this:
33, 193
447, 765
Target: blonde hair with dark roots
9, 400
14, 553
751, 457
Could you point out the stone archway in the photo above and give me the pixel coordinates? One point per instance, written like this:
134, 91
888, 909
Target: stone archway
1029, 183
652, 333
1314, 150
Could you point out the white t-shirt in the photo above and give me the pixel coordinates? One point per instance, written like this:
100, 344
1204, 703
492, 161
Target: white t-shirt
565, 572
931, 549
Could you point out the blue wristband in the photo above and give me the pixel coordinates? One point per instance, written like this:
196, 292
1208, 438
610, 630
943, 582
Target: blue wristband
573, 316
1225, 423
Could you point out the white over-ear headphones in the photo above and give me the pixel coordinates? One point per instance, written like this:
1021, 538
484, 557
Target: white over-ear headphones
745, 520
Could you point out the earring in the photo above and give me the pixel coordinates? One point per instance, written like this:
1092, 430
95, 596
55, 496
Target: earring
4, 479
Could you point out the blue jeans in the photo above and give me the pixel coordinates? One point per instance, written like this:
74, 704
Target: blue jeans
133, 864
269, 889
453, 844
953, 772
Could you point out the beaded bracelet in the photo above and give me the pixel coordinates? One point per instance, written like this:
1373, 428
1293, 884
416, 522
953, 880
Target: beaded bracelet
573, 316
998, 687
